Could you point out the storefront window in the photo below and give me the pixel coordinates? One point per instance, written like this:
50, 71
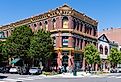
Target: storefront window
65, 60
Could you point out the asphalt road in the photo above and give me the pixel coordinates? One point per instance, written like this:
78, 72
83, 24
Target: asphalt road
34, 78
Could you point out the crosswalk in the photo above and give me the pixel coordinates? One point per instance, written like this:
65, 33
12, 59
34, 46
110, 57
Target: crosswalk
22, 79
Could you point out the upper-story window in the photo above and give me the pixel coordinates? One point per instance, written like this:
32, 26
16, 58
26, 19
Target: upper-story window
54, 41
46, 25
81, 26
40, 24
65, 22
101, 49
90, 31
74, 24
106, 50
54, 23
95, 32
29, 25
35, 25
77, 25
85, 29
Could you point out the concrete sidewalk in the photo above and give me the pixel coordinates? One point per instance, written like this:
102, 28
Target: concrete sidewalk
70, 75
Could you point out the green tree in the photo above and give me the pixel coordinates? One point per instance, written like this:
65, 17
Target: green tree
41, 46
114, 57
18, 43
91, 55
2, 49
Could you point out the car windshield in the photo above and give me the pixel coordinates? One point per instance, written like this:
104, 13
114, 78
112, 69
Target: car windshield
119, 67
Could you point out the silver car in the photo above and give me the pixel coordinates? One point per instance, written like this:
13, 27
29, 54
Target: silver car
35, 70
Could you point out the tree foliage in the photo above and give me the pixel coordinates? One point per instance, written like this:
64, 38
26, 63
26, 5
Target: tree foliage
91, 54
18, 43
115, 56
2, 50
41, 45
27, 45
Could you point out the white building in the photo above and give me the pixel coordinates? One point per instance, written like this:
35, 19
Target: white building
104, 49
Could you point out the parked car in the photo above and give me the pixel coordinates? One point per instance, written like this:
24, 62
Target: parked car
113, 70
14, 70
119, 69
4, 69
35, 70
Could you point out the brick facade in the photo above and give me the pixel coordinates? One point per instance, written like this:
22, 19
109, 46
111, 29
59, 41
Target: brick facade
72, 31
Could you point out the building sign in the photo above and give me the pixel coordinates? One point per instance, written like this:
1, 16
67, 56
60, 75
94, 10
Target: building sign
65, 42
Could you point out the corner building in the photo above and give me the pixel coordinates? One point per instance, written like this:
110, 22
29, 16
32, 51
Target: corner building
70, 30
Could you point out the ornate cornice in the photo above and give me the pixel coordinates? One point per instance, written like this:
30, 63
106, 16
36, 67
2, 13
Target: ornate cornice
60, 11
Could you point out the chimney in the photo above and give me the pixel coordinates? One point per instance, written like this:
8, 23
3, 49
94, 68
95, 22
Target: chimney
107, 28
103, 29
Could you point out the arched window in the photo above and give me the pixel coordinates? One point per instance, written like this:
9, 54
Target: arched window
46, 25
65, 22
81, 26
77, 25
101, 49
29, 25
54, 23
106, 50
40, 24
35, 25
74, 24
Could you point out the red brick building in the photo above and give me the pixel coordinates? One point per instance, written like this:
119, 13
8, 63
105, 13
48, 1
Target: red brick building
70, 29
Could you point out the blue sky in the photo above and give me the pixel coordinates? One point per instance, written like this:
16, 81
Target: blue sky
107, 12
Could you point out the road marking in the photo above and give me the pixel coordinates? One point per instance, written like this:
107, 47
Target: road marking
35, 77
118, 77
111, 76
11, 80
25, 79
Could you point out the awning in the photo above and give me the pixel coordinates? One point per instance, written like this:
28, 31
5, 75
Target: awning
15, 60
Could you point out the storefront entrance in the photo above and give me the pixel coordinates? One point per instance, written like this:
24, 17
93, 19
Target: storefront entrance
65, 60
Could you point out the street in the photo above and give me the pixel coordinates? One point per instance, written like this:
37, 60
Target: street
115, 77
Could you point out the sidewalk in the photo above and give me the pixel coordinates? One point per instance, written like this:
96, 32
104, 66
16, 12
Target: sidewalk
69, 75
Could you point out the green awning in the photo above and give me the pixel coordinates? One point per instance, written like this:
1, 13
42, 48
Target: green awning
15, 60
